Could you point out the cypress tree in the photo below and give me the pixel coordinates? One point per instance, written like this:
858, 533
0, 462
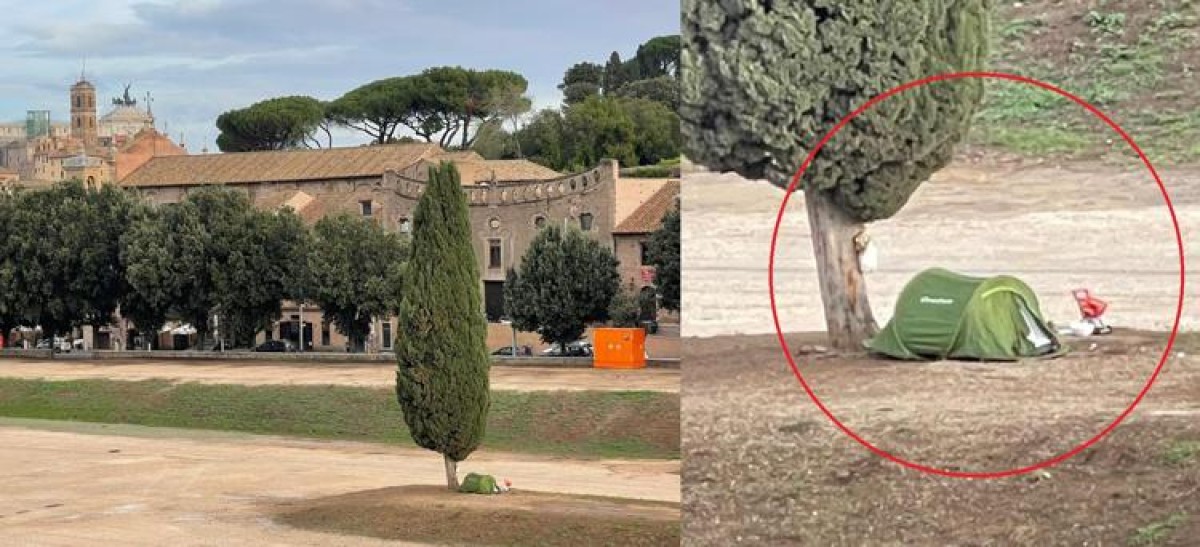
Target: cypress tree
442, 373
763, 82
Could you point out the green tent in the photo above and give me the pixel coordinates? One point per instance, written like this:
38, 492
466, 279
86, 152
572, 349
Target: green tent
944, 315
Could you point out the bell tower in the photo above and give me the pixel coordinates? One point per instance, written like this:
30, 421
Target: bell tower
83, 111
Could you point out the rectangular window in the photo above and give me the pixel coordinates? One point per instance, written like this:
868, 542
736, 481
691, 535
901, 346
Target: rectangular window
494, 256
366, 207
645, 256
324, 333
387, 335
585, 222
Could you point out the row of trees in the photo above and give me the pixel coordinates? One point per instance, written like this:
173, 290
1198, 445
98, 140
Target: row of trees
625, 110
445, 104
71, 257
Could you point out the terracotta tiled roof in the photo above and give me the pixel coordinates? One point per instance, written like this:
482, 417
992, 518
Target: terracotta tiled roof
275, 166
476, 170
648, 217
631, 193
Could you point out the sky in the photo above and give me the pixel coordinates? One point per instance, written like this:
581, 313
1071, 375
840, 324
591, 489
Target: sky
199, 58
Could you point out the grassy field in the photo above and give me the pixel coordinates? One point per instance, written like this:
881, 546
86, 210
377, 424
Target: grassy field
1134, 59
575, 424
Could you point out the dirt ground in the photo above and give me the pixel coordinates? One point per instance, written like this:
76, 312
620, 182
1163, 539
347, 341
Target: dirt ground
762, 464
432, 513
373, 375
1058, 227
67, 483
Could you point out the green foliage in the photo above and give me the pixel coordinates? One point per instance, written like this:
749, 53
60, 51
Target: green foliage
1017, 29
1182, 453
542, 140
577, 424
663, 89
565, 281
442, 372
658, 56
273, 124
625, 309
615, 74
13, 297
656, 130
357, 273
448, 102
758, 110
212, 253
150, 269
599, 128
377, 108
1106, 23
1157, 532
581, 81
664, 256
54, 271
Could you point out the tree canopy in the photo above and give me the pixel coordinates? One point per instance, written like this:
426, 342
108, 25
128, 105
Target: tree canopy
273, 124
663, 254
448, 103
565, 281
356, 268
758, 110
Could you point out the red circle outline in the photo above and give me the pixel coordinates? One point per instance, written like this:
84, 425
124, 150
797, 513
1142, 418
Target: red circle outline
945, 472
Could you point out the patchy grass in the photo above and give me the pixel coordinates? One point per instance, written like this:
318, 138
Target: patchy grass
1038, 140
1158, 531
589, 424
434, 515
1135, 60
1182, 452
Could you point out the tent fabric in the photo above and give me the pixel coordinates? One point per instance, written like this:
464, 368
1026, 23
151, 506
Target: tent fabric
479, 484
946, 315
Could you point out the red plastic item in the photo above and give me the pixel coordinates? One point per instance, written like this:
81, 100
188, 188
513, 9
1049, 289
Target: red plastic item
1090, 306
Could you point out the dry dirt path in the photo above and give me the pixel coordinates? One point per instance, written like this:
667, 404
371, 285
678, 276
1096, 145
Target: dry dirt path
1055, 227
71, 484
372, 375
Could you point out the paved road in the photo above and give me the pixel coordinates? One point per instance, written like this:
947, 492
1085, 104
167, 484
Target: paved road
380, 375
87, 484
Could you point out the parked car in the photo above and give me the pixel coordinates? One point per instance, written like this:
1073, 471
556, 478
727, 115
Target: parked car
508, 351
276, 346
578, 348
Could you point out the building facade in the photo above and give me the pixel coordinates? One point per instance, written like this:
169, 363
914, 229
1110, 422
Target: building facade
509, 201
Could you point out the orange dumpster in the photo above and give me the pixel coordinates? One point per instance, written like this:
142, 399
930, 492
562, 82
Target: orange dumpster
619, 348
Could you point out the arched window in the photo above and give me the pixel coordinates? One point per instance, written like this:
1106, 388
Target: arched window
539, 222
405, 225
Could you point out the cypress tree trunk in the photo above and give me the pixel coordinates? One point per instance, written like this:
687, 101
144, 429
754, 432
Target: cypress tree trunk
848, 318
451, 473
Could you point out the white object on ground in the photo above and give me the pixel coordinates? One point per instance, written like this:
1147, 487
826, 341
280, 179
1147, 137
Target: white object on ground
1082, 328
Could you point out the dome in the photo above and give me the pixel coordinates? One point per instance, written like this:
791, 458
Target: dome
126, 113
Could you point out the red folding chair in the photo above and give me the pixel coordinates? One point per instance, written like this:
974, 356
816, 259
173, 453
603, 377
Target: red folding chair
1092, 309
